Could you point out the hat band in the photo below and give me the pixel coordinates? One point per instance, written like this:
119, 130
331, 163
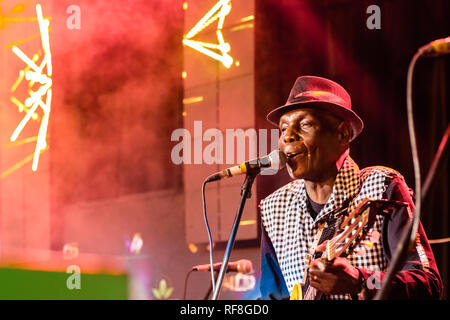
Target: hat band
317, 96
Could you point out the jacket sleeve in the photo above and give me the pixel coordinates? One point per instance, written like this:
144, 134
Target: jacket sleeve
419, 277
272, 285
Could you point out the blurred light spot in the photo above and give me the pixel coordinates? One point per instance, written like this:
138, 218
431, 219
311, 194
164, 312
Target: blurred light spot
70, 251
164, 291
193, 248
192, 100
237, 63
185, 5
247, 222
18, 8
136, 244
184, 114
319, 92
239, 282
184, 75
207, 247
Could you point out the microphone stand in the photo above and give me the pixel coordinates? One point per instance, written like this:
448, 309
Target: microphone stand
407, 241
245, 194
210, 287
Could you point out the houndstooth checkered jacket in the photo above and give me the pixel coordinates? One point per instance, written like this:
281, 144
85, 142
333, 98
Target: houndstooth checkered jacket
291, 229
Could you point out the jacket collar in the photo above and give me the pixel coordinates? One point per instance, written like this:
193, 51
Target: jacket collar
345, 187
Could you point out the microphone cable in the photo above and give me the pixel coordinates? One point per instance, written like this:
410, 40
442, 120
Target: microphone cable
415, 154
409, 236
186, 282
205, 217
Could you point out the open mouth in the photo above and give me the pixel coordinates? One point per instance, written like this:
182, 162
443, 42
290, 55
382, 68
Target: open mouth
292, 155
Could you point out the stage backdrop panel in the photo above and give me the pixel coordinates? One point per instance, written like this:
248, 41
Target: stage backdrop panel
219, 97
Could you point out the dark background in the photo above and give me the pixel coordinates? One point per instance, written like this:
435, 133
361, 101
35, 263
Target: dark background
330, 39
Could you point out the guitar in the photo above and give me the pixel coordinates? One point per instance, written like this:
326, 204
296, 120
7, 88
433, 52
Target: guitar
349, 232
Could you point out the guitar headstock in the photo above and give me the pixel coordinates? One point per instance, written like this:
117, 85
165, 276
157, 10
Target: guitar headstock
356, 225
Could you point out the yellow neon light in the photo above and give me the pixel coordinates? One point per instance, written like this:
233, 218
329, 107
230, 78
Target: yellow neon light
242, 26
34, 74
22, 108
21, 41
20, 164
21, 142
248, 18
218, 12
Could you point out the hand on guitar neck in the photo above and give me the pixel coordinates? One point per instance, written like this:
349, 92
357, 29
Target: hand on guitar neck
337, 277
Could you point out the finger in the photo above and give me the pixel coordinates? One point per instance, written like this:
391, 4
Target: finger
314, 281
339, 264
322, 277
318, 264
333, 268
314, 264
322, 247
317, 274
315, 284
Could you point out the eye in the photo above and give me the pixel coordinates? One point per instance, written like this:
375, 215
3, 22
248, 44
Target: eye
305, 124
283, 127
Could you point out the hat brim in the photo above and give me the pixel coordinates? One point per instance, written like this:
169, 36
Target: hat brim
341, 112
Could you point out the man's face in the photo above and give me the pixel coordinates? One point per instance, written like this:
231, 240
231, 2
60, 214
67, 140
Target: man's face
310, 141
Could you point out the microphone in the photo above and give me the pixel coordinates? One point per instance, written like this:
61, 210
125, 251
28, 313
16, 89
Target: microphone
436, 48
275, 160
242, 266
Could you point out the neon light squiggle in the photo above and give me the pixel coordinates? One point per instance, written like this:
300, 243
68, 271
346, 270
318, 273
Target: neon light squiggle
34, 74
218, 12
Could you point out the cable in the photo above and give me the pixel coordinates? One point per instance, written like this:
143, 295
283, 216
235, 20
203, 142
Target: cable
415, 155
213, 282
435, 241
185, 282
435, 162
408, 237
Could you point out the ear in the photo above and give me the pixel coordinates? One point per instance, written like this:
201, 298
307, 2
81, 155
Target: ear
345, 132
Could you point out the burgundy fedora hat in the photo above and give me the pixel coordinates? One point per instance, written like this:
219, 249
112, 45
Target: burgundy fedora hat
319, 93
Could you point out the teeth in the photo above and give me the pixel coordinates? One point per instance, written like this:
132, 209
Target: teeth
290, 155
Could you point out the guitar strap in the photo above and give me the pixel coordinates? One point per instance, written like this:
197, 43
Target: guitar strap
326, 231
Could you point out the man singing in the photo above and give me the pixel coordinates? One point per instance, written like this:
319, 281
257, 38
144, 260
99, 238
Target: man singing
317, 125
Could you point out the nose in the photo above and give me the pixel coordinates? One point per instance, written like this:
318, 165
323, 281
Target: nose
290, 135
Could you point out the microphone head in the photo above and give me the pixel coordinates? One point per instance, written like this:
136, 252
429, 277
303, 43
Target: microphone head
244, 266
277, 159
436, 48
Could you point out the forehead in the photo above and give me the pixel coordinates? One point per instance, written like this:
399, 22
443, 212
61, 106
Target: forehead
299, 114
